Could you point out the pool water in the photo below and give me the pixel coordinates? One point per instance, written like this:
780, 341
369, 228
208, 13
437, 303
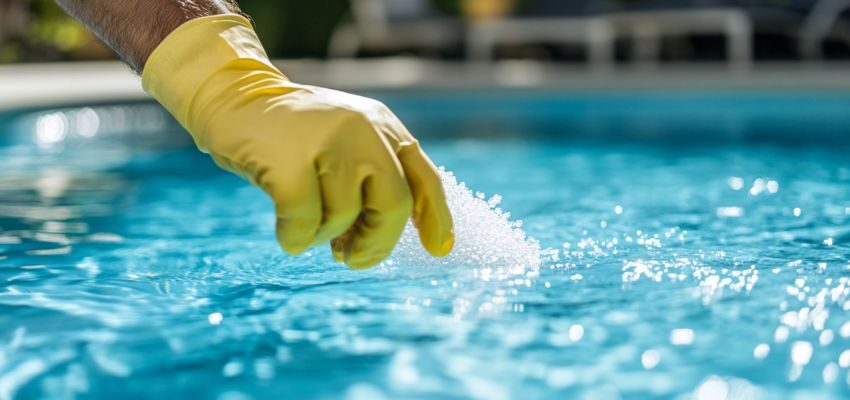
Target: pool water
641, 270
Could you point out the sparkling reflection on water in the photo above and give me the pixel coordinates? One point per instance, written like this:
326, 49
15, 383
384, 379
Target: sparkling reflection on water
718, 273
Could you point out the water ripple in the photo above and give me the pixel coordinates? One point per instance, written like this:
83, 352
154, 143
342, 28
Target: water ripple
652, 274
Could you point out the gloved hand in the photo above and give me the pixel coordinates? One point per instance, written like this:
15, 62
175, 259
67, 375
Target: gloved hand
338, 166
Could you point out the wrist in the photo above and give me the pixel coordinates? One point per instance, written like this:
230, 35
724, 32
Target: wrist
182, 68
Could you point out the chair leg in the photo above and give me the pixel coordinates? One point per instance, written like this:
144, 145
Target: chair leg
345, 42
600, 44
817, 25
480, 42
647, 43
739, 33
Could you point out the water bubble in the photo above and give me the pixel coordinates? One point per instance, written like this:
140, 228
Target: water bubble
845, 330
576, 333
87, 122
761, 351
682, 337
215, 318
232, 369
713, 388
781, 334
801, 353
758, 187
730, 212
772, 186
826, 337
830, 373
51, 129
650, 359
736, 183
361, 391
844, 359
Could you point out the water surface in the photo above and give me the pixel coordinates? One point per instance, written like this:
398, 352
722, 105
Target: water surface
654, 272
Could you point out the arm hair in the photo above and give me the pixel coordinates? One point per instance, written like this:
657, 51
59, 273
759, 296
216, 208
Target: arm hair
134, 28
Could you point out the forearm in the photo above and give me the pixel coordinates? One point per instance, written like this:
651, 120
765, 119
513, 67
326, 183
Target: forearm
134, 28
345, 169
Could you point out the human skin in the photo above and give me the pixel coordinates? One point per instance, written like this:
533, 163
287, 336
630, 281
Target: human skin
133, 28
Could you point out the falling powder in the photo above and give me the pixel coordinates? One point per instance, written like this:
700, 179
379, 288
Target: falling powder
485, 237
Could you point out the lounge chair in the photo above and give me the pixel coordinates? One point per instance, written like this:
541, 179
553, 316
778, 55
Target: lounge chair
392, 25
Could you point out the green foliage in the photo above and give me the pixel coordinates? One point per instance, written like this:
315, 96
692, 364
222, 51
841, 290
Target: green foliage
288, 28
447, 6
49, 36
295, 28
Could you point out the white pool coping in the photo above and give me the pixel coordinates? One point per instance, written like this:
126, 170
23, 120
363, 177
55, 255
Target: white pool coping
37, 85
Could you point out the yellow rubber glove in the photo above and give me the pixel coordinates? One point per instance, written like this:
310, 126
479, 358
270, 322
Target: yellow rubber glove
338, 166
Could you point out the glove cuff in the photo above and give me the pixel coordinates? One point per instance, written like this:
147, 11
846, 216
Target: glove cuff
190, 55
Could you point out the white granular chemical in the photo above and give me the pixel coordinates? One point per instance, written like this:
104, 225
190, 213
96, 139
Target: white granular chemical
485, 237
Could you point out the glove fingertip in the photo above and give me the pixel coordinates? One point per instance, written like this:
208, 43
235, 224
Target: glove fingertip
447, 246
363, 264
436, 235
441, 245
294, 249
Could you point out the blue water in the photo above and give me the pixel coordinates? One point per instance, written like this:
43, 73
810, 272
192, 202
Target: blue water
714, 267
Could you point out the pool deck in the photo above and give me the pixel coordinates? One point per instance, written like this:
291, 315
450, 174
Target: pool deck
36, 85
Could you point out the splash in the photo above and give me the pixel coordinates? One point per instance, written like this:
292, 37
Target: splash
485, 237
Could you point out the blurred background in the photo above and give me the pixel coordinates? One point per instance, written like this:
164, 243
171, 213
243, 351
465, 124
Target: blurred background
593, 32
